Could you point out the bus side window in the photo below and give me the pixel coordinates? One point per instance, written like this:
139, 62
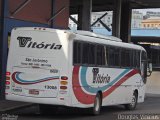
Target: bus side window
138, 59
117, 57
92, 51
128, 58
134, 64
85, 53
123, 57
77, 52
106, 55
111, 56
103, 56
100, 55
114, 56
132, 58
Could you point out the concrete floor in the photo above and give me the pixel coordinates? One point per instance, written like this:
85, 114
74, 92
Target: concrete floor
153, 83
151, 107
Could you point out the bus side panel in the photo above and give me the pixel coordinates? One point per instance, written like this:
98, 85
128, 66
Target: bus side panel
116, 85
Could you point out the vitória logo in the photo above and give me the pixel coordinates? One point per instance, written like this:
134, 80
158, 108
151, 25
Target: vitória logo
27, 42
23, 41
100, 78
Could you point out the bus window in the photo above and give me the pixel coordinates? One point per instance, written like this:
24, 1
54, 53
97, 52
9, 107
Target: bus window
106, 55
85, 53
77, 53
134, 59
131, 59
128, 58
114, 57
100, 55
92, 51
123, 58
137, 59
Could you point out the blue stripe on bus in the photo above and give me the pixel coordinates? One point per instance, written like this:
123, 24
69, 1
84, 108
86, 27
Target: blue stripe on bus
33, 81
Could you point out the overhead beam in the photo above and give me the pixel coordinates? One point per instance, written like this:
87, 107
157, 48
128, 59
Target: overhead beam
105, 5
20, 7
57, 13
102, 7
95, 8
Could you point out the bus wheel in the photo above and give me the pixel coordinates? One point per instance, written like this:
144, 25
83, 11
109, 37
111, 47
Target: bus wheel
47, 109
97, 105
133, 104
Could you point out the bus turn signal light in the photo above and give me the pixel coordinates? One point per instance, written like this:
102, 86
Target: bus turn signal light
7, 78
64, 78
64, 82
8, 73
63, 87
7, 83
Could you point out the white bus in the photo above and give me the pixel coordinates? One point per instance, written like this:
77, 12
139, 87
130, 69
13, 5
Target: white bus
82, 69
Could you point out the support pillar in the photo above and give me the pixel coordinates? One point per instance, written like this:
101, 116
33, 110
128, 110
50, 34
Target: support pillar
84, 15
125, 33
3, 48
116, 18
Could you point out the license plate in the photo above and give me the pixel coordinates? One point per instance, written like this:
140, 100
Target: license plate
34, 92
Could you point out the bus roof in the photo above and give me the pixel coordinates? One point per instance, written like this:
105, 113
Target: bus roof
108, 40
91, 34
91, 37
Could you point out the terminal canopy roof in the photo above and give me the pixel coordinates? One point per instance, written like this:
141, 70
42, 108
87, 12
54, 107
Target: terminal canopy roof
106, 5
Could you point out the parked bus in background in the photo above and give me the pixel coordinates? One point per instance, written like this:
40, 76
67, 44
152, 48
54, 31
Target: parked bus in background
76, 69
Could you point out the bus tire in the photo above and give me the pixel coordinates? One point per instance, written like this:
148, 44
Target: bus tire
47, 109
133, 104
97, 105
